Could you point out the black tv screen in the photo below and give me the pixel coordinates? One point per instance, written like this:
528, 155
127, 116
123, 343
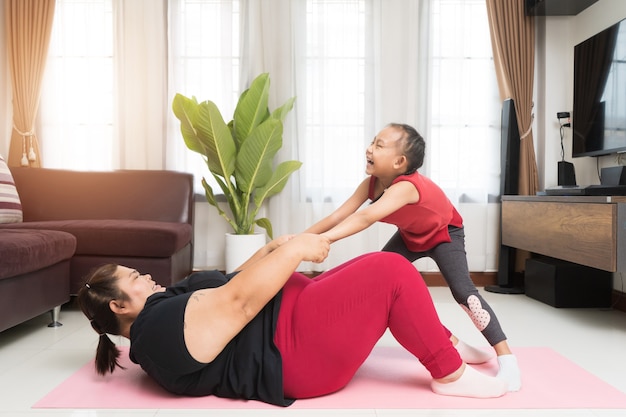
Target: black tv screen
599, 113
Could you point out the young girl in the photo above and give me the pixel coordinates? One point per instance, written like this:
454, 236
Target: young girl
268, 333
428, 226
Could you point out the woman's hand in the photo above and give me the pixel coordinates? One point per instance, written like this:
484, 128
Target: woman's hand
311, 247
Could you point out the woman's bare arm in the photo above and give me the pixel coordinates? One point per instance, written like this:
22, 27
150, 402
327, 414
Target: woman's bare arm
264, 251
214, 316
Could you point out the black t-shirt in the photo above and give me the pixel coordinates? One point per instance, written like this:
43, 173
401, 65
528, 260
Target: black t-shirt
249, 367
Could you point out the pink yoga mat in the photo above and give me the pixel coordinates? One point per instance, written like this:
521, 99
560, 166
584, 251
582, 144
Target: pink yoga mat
390, 378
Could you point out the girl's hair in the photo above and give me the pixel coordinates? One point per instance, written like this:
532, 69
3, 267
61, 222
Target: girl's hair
414, 147
93, 298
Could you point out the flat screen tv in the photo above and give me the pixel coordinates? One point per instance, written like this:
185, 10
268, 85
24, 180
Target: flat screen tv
599, 109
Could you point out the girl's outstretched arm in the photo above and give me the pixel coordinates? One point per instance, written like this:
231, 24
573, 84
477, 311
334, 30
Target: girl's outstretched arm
395, 197
351, 205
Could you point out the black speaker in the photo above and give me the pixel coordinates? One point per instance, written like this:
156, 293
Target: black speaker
613, 176
567, 175
508, 279
564, 284
509, 149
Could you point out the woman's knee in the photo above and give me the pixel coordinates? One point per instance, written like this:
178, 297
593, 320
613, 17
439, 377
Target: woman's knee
378, 268
396, 268
392, 261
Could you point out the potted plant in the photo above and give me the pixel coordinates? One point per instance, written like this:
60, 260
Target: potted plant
239, 154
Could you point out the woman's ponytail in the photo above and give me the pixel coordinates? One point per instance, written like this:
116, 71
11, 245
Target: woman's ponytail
107, 355
94, 298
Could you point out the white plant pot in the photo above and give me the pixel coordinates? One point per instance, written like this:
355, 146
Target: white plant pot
241, 247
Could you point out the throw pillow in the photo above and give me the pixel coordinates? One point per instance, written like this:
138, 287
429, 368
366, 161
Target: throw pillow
10, 205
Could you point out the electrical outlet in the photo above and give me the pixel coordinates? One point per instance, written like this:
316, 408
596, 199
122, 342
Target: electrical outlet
562, 115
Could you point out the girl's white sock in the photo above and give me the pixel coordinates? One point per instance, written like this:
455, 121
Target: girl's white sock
510, 372
471, 384
471, 354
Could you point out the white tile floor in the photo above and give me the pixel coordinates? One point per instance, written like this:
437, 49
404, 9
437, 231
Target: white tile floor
35, 358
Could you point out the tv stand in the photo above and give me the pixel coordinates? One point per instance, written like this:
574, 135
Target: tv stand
586, 230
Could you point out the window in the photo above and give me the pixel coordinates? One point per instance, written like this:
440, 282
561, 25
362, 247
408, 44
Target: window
464, 143
335, 98
204, 62
356, 62
76, 110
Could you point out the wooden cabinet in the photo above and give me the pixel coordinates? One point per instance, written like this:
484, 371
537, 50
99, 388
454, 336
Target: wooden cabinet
587, 230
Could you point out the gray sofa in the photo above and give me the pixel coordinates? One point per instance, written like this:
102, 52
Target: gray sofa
74, 221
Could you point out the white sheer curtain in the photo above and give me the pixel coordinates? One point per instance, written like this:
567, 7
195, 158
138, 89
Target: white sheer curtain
354, 65
362, 71
317, 51
141, 101
103, 103
76, 117
204, 61
463, 144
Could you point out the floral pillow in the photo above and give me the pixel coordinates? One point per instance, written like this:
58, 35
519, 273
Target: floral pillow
10, 205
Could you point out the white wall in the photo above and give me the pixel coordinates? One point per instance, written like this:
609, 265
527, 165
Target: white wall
556, 38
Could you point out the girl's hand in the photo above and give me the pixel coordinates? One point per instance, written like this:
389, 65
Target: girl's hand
279, 241
312, 247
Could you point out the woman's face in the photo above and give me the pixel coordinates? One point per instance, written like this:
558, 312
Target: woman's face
136, 286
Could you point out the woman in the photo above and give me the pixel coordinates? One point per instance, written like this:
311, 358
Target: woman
271, 334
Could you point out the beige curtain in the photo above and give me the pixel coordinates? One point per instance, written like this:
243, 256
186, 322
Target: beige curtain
513, 43
28, 27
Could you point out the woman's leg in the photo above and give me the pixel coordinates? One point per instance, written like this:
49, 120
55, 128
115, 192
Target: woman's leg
397, 245
328, 326
469, 354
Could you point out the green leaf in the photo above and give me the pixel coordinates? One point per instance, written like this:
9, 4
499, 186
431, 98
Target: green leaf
254, 162
281, 112
210, 197
215, 137
251, 108
208, 192
186, 110
267, 225
277, 182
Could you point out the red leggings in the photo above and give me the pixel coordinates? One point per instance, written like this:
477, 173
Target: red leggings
327, 326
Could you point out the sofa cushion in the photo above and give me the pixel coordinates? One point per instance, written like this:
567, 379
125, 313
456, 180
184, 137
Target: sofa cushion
126, 238
24, 251
10, 205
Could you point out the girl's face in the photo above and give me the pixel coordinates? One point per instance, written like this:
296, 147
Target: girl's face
384, 153
136, 286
